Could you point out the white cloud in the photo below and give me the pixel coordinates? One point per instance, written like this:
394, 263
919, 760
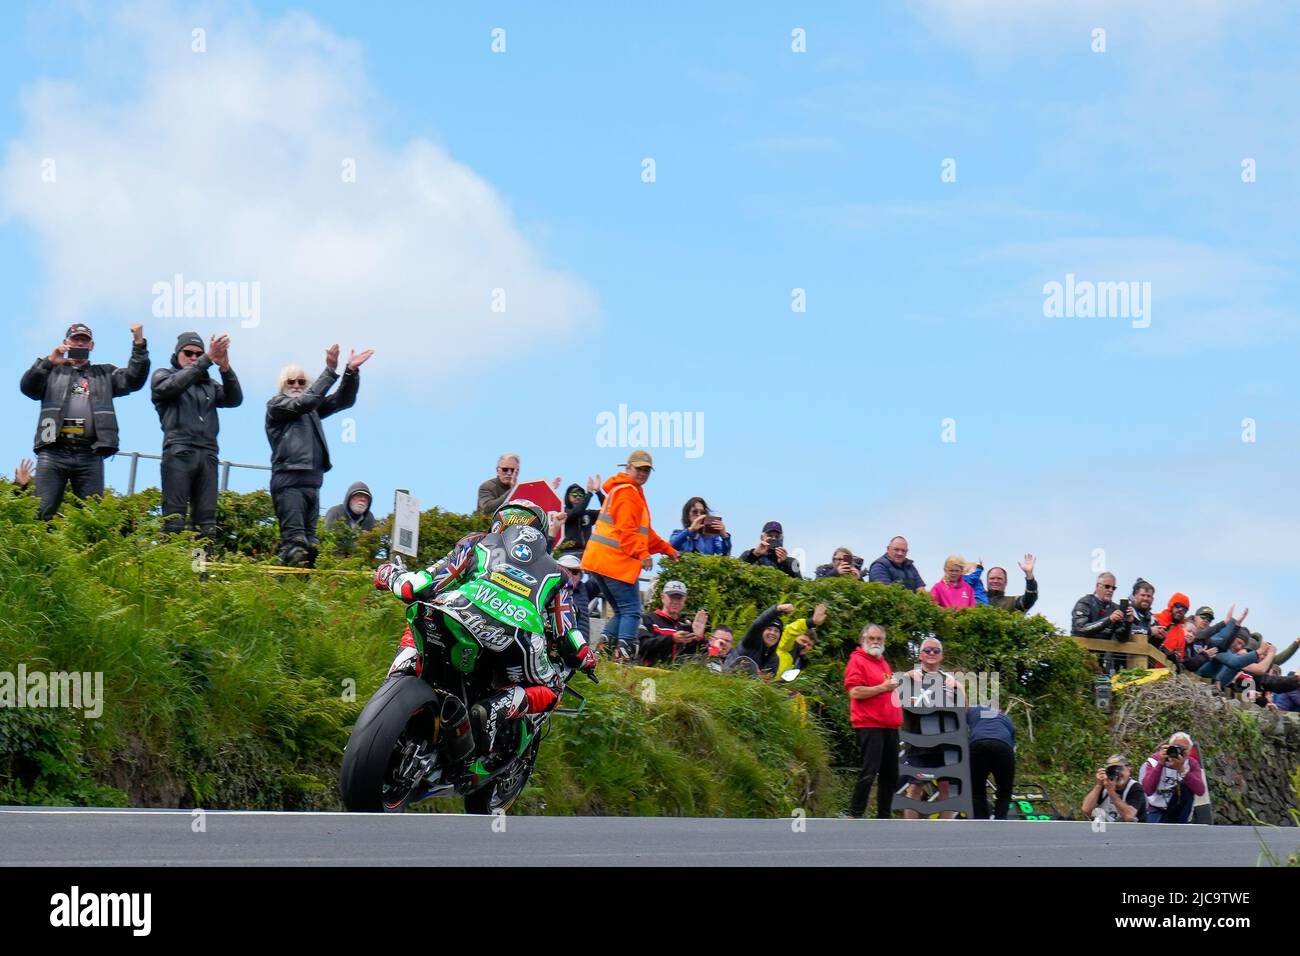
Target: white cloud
994, 30
227, 165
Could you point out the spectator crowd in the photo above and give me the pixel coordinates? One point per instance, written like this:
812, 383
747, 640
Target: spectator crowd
606, 542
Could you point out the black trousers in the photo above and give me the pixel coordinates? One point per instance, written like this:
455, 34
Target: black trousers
296, 496
995, 757
58, 465
189, 483
879, 748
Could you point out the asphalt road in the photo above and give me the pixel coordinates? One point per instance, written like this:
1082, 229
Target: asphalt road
52, 837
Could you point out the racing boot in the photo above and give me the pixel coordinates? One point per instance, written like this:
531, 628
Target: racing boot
488, 717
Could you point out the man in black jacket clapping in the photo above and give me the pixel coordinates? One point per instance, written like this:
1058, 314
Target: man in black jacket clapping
187, 400
299, 454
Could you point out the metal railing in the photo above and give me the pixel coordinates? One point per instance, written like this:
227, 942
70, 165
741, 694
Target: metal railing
135, 457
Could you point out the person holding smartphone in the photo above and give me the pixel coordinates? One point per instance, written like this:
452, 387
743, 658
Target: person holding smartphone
77, 425
702, 532
771, 551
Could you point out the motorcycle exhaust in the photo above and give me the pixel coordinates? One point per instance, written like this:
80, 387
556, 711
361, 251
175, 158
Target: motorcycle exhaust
458, 734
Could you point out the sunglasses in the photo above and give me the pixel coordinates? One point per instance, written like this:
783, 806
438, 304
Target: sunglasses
930, 650
1108, 587
295, 381
190, 353
508, 470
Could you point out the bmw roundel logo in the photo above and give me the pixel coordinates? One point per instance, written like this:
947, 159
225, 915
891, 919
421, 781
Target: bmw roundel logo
521, 552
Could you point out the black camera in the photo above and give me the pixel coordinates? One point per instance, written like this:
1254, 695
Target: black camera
1175, 751
78, 353
1123, 605
1112, 772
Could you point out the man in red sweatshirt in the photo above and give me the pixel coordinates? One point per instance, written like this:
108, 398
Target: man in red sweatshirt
876, 715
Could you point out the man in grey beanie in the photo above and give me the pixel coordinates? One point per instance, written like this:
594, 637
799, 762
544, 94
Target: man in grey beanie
187, 399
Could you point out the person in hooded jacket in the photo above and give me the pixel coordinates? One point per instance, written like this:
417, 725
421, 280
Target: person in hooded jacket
760, 643
1172, 619
186, 399
578, 518
355, 511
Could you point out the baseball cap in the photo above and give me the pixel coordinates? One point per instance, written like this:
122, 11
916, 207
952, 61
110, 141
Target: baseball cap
773, 526
640, 458
1206, 612
571, 562
674, 587
78, 329
1117, 760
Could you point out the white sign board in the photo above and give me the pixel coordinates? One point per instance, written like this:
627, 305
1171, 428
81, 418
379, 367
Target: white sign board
406, 523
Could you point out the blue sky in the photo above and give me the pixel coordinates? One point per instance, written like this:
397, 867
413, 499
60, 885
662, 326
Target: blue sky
774, 170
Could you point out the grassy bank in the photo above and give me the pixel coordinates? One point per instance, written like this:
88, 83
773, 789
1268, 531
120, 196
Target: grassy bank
236, 688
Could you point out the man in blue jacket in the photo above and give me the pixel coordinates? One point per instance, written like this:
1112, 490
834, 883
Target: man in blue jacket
894, 567
992, 750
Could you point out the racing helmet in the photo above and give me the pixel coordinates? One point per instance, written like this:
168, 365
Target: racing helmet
521, 511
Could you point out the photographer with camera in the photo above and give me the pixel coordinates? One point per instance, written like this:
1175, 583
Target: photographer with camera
771, 551
77, 426
1116, 794
1172, 779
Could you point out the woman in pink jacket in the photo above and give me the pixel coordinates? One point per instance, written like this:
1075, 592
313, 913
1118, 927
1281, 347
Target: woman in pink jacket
952, 591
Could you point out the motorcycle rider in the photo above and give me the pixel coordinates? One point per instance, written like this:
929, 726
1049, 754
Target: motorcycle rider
527, 682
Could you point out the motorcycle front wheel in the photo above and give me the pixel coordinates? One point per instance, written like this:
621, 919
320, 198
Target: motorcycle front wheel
391, 748
497, 796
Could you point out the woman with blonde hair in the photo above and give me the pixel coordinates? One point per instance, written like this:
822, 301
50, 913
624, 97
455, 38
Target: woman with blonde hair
953, 591
299, 455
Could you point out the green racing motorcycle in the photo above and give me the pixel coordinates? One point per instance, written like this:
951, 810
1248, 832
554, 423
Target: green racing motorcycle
405, 748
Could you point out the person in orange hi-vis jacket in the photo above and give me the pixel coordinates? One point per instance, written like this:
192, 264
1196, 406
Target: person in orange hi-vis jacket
621, 546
